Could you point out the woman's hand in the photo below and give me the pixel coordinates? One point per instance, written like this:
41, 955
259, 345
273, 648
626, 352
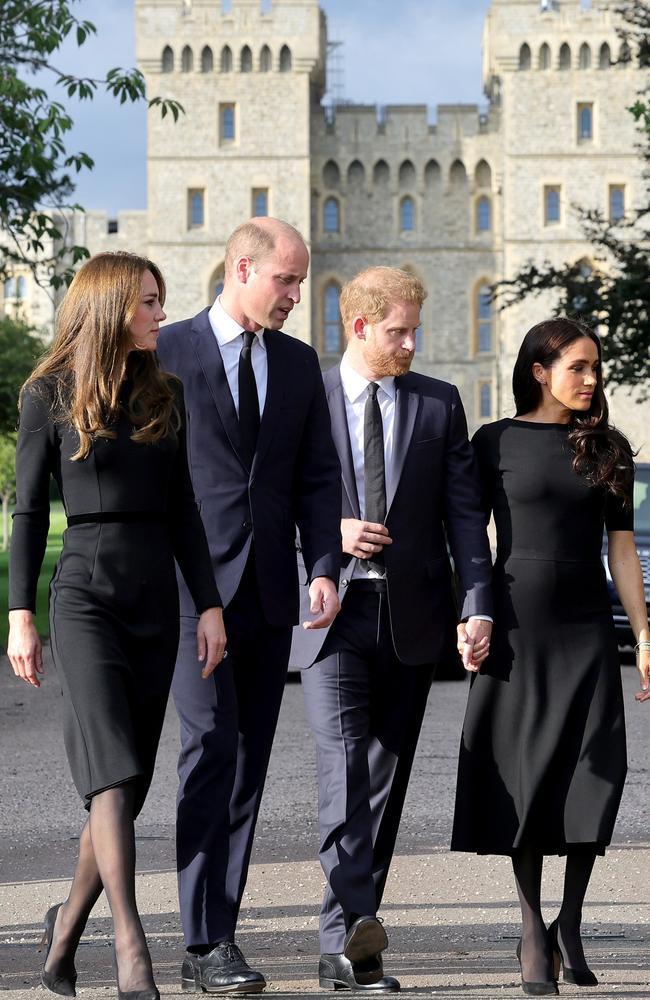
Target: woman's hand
211, 640
24, 648
643, 664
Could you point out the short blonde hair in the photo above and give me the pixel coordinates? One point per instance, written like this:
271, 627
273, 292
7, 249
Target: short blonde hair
371, 293
256, 239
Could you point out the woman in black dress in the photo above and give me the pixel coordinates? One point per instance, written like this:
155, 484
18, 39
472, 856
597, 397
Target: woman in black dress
100, 416
543, 758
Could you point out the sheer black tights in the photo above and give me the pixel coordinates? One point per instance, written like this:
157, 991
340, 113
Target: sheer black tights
106, 861
535, 956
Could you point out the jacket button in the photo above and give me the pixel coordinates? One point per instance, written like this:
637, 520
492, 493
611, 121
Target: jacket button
247, 525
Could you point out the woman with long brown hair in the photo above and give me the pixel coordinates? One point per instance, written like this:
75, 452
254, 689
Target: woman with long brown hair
100, 416
543, 757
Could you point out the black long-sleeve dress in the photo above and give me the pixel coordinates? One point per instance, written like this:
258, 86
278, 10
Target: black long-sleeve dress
113, 596
543, 757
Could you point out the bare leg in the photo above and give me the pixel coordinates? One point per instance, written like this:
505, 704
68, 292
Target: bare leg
113, 841
535, 956
73, 915
579, 866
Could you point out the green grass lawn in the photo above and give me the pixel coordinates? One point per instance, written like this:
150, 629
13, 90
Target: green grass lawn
54, 542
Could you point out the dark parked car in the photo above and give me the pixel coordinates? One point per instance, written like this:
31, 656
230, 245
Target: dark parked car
642, 539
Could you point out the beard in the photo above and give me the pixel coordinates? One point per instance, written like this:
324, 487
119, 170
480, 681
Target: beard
383, 364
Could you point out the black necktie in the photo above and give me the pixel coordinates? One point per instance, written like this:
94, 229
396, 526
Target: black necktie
373, 467
249, 405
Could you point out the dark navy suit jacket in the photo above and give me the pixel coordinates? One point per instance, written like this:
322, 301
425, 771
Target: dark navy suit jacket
295, 475
436, 500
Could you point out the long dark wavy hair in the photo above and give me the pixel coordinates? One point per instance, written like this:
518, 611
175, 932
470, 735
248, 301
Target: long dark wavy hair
602, 455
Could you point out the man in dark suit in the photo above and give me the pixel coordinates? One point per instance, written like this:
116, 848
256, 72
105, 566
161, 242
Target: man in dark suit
410, 486
262, 462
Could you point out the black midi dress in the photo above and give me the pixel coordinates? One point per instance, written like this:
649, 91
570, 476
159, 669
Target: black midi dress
543, 758
113, 596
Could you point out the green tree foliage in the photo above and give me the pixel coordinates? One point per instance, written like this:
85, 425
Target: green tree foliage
614, 295
7, 482
19, 349
36, 169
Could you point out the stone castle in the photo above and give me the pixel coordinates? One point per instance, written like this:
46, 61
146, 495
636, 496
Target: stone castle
462, 202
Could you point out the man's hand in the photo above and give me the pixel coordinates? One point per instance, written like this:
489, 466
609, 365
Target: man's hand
324, 602
211, 640
474, 642
363, 539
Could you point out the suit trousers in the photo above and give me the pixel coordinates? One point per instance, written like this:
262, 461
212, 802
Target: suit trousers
227, 725
366, 709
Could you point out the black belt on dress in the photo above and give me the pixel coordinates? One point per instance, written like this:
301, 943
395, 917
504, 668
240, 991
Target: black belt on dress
119, 517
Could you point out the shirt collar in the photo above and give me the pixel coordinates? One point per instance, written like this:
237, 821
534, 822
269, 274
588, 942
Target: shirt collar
224, 327
356, 385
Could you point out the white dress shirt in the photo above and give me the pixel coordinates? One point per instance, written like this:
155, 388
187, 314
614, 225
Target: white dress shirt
230, 339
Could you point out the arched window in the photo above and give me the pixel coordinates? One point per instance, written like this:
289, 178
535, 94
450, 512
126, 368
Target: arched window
524, 56
331, 216
286, 61
381, 172
484, 400
207, 60
565, 56
226, 59
168, 59
246, 60
483, 174
432, 174
356, 174
10, 288
584, 57
407, 215
457, 173
483, 215
332, 327
216, 283
545, 56
585, 121
605, 56
624, 54
331, 175
266, 60
21, 287
483, 307
552, 204
407, 175
187, 60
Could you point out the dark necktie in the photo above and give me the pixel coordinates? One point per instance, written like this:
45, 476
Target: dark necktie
249, 405
373, 467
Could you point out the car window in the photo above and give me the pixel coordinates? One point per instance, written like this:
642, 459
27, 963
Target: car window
642, 500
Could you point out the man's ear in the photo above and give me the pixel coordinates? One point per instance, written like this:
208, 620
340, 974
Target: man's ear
359, 327
243, 268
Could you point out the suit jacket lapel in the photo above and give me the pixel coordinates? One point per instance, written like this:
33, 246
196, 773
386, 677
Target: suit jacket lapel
211, 362
406, 408
341, 435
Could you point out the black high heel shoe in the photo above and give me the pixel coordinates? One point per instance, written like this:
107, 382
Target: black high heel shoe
149, 993
64, 986
536, 989
574, 976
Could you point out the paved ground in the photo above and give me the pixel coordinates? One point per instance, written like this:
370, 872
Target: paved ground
452, 919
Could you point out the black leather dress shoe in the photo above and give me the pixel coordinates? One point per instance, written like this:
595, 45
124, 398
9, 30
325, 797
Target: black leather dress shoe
336, 972
222, 970
365, 939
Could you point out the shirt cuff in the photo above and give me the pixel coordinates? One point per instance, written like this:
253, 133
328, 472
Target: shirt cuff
480, 618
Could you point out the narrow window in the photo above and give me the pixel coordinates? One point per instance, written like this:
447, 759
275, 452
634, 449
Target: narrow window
227, 122
484, 400
616, 202
483, 215
605, 56
584, 57
266, 61
331, 220
565, 57
407, 215
484, 320
625, 54
545, 56
246, 60
187, 60
419, 340
524, 56
551, 204
285, 59
260, 201
332, 320
167, 60
585, 122
207, 60
21, 288
112, 227
195, 209
10, 288
226, 59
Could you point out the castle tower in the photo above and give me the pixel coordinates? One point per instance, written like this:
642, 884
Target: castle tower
562, 82
246, 74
